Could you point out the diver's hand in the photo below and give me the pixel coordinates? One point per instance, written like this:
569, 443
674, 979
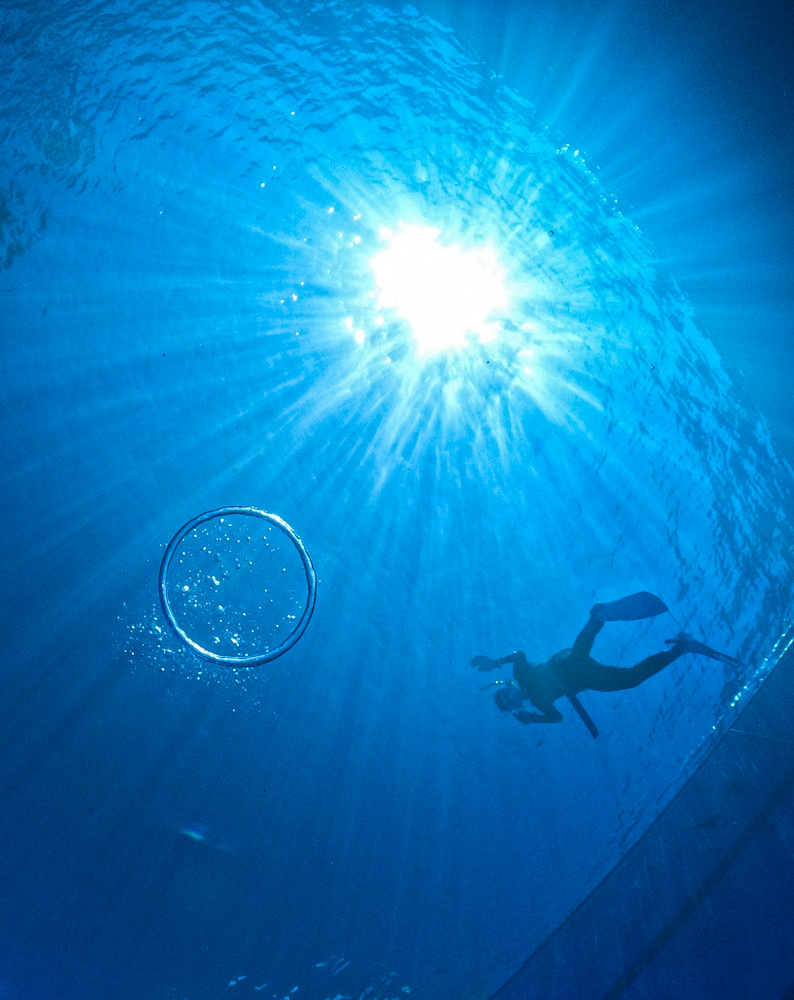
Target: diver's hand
485, 663
550, 715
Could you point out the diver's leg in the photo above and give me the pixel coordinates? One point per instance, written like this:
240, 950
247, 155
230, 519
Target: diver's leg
597, 677
584, 641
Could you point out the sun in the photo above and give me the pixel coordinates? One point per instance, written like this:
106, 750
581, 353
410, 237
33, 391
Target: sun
447, 295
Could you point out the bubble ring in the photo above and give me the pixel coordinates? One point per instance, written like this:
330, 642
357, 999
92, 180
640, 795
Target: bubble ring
255, 659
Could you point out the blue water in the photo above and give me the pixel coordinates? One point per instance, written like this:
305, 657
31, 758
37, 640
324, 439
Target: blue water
190, 201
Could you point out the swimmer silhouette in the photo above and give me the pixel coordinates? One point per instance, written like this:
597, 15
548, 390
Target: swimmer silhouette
573, 670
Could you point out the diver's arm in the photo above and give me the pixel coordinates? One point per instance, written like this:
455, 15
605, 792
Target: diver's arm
549, 715
517, 657
486, 663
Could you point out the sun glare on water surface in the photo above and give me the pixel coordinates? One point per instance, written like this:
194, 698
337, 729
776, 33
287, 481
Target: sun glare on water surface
447, 295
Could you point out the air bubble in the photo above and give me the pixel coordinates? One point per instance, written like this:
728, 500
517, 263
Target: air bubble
264, 650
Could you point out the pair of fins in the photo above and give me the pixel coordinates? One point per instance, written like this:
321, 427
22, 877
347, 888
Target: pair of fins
633, 608
645, 605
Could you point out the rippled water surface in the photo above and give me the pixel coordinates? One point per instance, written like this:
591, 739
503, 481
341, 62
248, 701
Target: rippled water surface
190, 202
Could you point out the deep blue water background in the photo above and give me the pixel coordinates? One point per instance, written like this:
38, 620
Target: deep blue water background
168, 827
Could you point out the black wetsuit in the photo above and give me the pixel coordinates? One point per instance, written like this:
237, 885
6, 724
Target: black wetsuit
573, 670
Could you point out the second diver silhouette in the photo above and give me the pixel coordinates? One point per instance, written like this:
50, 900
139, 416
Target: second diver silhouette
573, 670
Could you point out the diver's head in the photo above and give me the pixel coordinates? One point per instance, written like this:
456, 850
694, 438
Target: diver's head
508, 697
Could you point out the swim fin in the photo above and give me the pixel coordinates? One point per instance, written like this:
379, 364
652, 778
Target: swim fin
629, 609
691, 645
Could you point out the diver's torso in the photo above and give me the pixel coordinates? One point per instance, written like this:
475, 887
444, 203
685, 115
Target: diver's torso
562, 674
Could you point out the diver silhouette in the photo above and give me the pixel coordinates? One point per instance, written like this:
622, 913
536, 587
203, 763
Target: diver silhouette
573, 670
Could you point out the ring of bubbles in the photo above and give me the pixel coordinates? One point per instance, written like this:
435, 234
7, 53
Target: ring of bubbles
255, 659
